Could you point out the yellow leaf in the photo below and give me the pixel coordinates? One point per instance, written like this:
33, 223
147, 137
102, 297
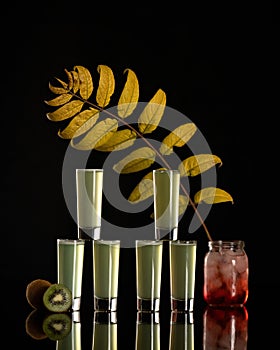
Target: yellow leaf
76, 81
137, 160
143, 190
59, 100
212, 195
70, 79
86, 84
57, 90
106, 86
152, 113
198, 164
80, 124
183, 203
66, 111
129, 96
178, 137
98, 135
120, 140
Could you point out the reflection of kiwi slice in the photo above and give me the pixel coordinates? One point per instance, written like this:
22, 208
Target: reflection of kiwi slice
34, 325
57, 326
57, 298
35, 291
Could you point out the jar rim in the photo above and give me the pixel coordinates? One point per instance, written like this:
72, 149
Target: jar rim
227, 243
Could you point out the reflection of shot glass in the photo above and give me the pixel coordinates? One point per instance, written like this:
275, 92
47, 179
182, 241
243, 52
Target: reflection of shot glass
148, 274
70, 260
182, 274
106, 255
225, 328
166, 203
104, 331
147, 331
73, 340
89, 185
181, 336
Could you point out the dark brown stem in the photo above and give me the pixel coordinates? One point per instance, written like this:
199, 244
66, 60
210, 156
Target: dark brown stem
158, 154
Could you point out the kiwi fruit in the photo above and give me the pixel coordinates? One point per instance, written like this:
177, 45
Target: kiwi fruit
57, 326
34, 325
57, 298
35, 291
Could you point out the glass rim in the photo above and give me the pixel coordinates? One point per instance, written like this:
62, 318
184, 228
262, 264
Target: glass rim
226, 241
166, 171
184, 242
70, 240
89, 170
107, 241
148, 241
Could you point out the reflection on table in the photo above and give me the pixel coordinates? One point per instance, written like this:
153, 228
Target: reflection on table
223, 328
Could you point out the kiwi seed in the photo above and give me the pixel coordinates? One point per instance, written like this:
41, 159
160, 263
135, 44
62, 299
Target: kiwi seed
57, 326
57, 298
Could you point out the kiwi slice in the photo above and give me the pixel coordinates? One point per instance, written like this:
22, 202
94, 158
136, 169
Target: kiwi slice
35, 291
34, 325
57, 326
57, 298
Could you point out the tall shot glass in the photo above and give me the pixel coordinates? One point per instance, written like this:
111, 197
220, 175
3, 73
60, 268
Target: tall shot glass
182, 274
70, 262
148, 274
89, 185
106, 256
166, 203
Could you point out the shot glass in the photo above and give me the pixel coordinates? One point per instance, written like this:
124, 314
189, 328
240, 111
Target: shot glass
181, 335
166, 203
89, 185
182, 260
70, 262
148, 274
106, 254
105, 331
147, 331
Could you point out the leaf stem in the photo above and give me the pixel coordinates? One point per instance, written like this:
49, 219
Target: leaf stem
158, 154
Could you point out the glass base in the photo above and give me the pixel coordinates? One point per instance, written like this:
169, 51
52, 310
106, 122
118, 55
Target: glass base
76, 316
144, 317
166, 234
147, 304
105, 304
180, 305
101, 317
76, 304
181, 317
89, 233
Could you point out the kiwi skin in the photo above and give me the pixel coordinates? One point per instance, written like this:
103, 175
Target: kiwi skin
34, 325
57, 298
57, 326
35, 291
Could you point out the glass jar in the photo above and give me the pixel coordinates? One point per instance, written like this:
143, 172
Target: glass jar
226, 274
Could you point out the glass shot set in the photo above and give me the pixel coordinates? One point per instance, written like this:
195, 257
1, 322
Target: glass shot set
148, 253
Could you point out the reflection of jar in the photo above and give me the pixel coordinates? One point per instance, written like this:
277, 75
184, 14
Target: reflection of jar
226, 274
225, 328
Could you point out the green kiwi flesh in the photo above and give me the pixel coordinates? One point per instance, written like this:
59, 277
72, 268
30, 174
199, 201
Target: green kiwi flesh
57, 326
57, 298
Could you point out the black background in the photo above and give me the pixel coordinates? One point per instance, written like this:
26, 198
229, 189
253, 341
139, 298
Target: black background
215, 63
